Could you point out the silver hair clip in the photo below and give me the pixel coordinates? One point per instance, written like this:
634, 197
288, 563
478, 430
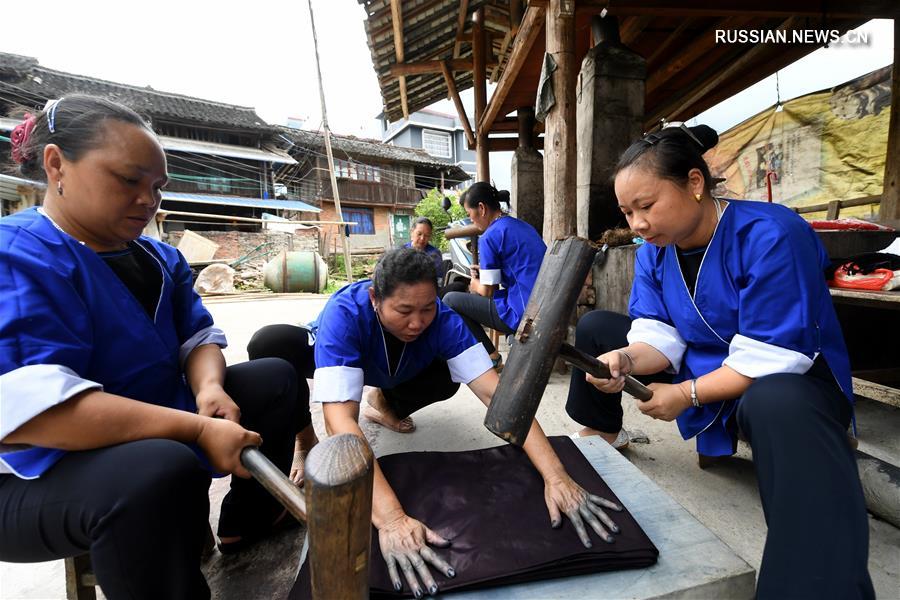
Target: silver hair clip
685, 129
51, 116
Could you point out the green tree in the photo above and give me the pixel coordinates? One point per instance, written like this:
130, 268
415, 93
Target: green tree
431, 206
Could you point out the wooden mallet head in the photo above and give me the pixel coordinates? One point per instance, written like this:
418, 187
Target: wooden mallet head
338, 475
540, 339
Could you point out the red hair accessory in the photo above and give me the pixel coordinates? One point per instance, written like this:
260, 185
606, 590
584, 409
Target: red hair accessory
19, 137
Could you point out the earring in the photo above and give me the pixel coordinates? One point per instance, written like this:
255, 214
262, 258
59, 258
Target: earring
698, 197
59, 188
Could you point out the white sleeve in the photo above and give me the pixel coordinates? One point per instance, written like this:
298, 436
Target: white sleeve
469, 364
755, 359
207, 335
28, 391
661, 336
338, 384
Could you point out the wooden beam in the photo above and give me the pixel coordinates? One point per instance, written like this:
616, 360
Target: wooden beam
509, 144
424, 67
632, 27
531, 27
479, 75
890, 196
460, 109
689, 54
397, 20
460, 26
504, 47
696, 93
834, 9
672, 37
559, 150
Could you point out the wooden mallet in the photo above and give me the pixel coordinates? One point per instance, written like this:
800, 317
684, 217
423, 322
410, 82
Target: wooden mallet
337, 509
539, 340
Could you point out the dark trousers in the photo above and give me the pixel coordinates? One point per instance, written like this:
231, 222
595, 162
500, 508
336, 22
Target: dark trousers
291, 343
818, 540
476, 311
141, 508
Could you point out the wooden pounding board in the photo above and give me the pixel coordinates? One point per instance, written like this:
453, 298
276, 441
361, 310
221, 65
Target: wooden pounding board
693, 562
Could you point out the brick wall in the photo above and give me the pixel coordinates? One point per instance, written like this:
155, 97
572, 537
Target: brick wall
235, 244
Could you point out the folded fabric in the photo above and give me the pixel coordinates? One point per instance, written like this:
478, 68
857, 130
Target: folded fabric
490, 505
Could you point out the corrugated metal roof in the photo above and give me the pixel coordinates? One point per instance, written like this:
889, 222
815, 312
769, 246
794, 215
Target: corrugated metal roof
214, 149
238, 201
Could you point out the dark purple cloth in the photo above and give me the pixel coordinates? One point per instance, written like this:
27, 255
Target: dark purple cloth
490, 504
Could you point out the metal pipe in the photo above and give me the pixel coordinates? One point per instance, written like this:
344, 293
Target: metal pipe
275, 482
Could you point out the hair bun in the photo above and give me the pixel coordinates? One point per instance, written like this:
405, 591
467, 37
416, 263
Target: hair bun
503, 196
706, 135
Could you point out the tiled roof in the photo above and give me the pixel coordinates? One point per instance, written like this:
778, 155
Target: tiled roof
360, 149
27, 79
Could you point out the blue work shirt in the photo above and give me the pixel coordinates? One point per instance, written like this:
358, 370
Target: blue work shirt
510, 253
351, 351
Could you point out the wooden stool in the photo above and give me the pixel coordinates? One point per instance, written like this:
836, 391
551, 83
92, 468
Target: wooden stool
81, 583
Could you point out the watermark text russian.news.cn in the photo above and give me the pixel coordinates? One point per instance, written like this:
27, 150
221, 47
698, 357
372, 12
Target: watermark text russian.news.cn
793, 36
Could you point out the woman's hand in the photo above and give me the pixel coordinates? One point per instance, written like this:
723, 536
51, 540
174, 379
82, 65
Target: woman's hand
222, 441
619, 365
565, 496
212, 401
404, 545
668, 401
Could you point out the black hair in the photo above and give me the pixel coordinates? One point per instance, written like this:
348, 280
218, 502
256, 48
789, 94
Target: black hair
402, 266
77, 125
484, 193
672, 152
423, 221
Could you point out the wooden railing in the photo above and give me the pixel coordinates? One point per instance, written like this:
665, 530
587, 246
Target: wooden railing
372, 192
833, 208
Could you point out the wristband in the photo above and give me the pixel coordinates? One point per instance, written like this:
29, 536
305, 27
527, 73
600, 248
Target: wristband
694, 401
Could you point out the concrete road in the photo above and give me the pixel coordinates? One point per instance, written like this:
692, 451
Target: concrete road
724, 497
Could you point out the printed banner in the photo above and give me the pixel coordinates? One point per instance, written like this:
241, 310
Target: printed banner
824, 146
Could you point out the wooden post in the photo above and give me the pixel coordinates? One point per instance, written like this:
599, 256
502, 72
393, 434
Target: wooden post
479, 76
525, 116
539, 337
338, 482
889, 213
559, 134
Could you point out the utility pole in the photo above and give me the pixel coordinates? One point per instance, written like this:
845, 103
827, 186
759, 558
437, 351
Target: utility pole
334, 187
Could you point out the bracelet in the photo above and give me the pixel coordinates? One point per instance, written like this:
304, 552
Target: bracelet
628, 356
694, 401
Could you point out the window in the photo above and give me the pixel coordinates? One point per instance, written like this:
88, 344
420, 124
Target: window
364, 219
358, 171
436, 143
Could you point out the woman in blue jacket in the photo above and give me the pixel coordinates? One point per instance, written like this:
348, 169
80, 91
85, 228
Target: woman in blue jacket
116, 404
510, 253
731, 316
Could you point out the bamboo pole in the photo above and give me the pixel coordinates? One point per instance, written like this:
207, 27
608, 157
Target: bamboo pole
334, 187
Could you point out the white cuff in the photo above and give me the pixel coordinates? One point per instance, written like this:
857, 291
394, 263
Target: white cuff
469, 364
28, 391
661, 336
490, 276
207, 335
755, 359
338, 384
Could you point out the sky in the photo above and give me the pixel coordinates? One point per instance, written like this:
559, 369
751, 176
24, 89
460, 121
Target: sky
260, 54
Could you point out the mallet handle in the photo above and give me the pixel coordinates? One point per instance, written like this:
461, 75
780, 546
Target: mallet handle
271, 478
589, 364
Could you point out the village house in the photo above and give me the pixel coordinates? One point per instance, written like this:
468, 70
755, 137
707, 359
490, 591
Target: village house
220, 156
378, 184
439, 134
